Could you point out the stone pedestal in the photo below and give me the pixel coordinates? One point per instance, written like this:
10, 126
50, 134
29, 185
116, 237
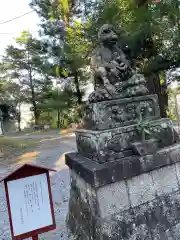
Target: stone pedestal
115, 193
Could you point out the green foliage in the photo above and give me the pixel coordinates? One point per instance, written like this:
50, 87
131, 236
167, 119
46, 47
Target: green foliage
25, 65
58, 99
67, 42
173, 108
151, 30
63, 102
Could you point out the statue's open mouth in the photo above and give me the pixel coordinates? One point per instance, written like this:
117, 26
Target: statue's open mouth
113, 40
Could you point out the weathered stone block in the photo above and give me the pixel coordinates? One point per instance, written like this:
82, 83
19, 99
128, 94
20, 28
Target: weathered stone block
163, 157
113, 198
174, 153
102, 174
114, 144
96, 214
141, 189
118, 226
159, 233
83, 209
124, 225
177, 169
152, 220
121, 112
165, 180
145, 206
145, 147
171, 208
154, 161
169, 235
175, 232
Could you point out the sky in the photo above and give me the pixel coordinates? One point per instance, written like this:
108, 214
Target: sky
10, 9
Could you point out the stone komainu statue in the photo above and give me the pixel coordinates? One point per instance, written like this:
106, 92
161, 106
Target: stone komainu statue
113, 76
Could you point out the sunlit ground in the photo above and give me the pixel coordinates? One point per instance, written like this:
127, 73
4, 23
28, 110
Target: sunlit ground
67, 131
22, 151
49, 139
27, 157
60, 162
54, 138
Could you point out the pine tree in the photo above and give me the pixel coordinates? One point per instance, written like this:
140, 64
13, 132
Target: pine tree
25, 65
67, 42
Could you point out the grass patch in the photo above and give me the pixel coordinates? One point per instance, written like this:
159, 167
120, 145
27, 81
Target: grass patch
38, 132
10, 145
34, 132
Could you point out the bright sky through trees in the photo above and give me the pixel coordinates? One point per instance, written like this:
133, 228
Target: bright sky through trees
10, 9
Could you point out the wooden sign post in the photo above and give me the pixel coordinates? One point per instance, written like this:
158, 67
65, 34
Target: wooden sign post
35, 237
29, 201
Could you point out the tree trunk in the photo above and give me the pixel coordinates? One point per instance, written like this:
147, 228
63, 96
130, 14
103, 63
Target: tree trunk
58, 118
19, 126
35, 110
76, 79
2, 126
19, 118
154, 87
141, 3
78, 92
36, 113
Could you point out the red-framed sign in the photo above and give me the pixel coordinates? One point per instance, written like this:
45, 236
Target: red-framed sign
29, 202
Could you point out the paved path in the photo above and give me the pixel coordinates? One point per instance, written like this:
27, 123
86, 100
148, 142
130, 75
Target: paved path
50, 154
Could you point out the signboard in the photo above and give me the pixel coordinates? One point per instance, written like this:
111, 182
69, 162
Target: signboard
29, 202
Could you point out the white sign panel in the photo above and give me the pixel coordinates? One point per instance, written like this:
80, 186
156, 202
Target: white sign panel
29, 204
